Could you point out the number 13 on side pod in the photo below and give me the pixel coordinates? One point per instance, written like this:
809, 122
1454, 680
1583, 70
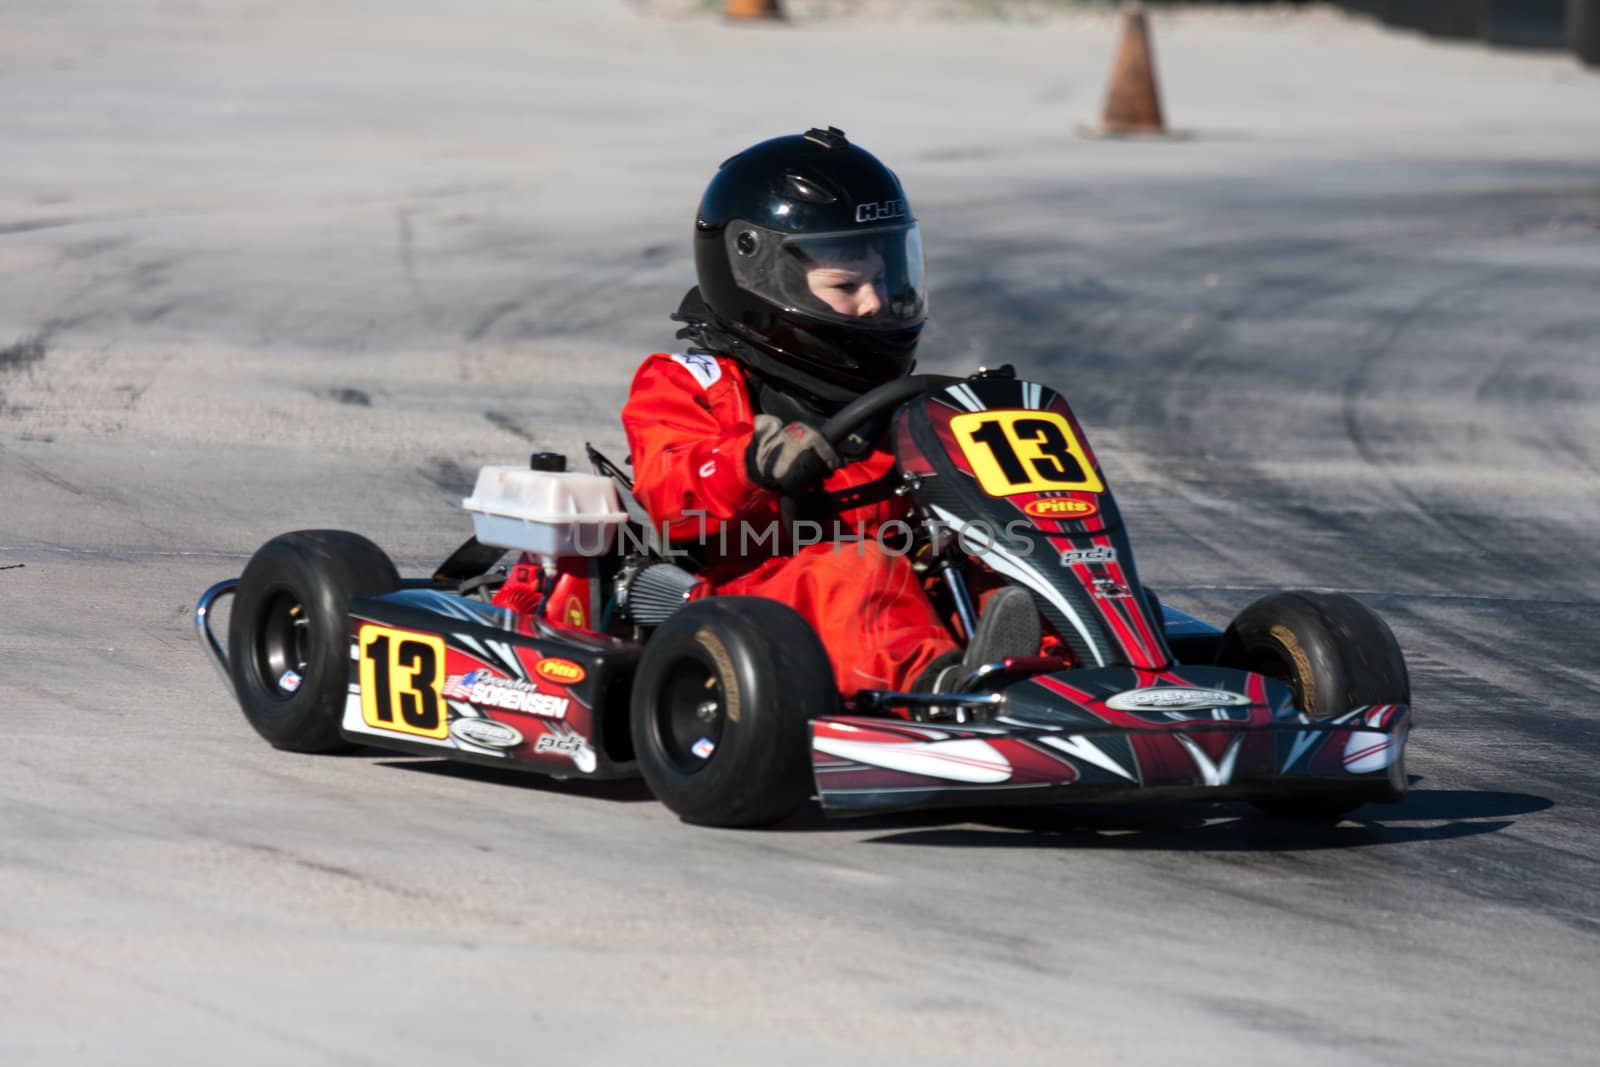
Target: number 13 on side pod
402, 682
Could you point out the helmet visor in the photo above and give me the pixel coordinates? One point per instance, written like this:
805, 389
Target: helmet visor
869, 279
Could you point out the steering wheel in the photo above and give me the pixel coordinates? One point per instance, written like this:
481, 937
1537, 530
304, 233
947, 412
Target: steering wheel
874, 402
862, 410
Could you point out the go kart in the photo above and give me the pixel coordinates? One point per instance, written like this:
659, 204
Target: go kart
609, 664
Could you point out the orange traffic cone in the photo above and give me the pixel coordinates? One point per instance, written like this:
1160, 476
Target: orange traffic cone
752, 9
1133, 104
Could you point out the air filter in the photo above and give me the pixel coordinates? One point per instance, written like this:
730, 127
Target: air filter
656, 592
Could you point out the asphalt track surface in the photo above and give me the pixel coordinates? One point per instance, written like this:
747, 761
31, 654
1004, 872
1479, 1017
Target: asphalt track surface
271, 267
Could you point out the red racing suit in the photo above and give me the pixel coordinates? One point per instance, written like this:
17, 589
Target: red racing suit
689, 422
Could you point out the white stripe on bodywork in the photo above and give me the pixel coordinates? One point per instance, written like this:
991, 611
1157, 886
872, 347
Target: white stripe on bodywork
1366, 752
1012, 566
471, 644
353, 723
510, 657
1079, 747
927, 732
1213, 773
964, 396
963, 760
1302, 745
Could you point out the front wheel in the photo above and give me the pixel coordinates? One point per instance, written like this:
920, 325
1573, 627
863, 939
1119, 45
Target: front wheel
1334, 652
289, 633
721, 707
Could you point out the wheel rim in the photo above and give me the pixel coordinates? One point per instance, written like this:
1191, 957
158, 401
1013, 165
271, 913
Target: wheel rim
281, 646
690, 716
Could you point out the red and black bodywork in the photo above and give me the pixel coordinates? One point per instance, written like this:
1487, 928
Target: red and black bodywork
1125, 699
435, 673
1054, 738
1004, 465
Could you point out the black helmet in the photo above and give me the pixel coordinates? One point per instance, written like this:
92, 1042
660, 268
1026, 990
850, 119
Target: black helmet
808, 253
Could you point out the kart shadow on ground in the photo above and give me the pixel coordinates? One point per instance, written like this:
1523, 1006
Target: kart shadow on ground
624, 790
1425, 815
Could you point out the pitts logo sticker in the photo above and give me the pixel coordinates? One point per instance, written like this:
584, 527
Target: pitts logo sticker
488, 690
1060, 507
560, 671
881, 210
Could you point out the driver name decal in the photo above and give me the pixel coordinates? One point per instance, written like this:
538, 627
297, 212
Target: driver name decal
488, 690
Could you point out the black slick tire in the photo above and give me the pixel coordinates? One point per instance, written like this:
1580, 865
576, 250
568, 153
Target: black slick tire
289, 634
721, 706
1335, 652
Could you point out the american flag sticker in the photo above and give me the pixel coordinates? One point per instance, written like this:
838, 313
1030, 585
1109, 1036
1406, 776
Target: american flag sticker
458, 686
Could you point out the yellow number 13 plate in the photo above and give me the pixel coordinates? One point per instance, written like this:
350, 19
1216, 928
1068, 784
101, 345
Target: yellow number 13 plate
402, 682
1024, 452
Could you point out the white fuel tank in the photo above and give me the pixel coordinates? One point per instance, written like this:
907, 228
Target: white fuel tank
546, 513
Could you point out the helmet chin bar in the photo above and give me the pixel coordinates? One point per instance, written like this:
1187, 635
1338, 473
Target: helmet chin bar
779, 368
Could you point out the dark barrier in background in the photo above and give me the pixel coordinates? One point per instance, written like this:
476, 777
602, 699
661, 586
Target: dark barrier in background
1573, 24
1583, 29
1452, 18
1526, 23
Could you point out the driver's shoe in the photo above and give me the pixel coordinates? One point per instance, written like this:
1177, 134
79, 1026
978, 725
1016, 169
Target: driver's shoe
1009, 628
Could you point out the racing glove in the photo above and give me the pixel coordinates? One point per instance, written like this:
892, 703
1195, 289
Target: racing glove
789, 459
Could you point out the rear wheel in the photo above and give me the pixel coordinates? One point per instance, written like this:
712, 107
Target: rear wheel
721, 707
1334, 652
289, 633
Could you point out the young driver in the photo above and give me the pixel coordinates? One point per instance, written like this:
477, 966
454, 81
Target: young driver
810, 293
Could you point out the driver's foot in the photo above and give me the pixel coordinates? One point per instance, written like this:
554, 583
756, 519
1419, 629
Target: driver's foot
1008, 629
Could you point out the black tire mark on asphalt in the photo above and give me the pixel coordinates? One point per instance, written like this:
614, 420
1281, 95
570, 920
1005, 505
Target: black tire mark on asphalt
510, 424
43, 474
25, 353
359, 398
446, 475
1357, 383
30, 225
494, 314
154, 313
406, 249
